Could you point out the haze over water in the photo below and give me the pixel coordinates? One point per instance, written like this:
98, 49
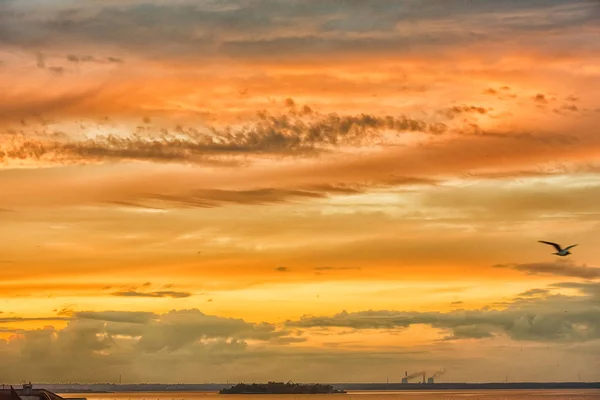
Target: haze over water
361, 395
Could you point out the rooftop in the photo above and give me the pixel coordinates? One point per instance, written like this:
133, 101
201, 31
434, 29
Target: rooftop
27, 392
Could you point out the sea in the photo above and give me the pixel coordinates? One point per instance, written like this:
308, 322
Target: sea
514, 394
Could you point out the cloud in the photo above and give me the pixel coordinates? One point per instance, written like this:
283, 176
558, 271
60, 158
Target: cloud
549, 318
41, 63
327, 163
452, 112
557, 268
534, 292
87, 58
210, 198
515, 201
300, 134
540, 325
149, 345
8, 320
139, 342
429, 163
131, 293
591, 289
56, 70
173, 29
469, 332
215, 198
51, 104
195, 322
540, 98
65, 312
282, 269
177, 329
219, 197
134, 317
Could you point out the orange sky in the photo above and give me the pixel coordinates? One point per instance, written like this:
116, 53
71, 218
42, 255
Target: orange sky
257, 190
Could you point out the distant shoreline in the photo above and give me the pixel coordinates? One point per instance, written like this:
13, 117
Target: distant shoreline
470, 386
215, 387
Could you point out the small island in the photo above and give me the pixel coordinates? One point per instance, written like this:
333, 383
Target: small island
280, 388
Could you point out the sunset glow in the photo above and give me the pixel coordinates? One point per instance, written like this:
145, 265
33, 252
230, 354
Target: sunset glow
307, 190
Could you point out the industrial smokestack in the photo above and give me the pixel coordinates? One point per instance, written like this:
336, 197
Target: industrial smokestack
414, 375
438, 373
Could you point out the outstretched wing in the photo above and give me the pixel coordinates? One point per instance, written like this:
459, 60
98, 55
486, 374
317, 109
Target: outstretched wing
571, 246
556, 246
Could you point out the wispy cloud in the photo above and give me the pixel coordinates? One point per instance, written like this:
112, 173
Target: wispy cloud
454, 111
277, 30
172, 294
557, 268
552, 318
88, 58
304, 133
209, 198
134, 317
7, 320
215, 198
534, 292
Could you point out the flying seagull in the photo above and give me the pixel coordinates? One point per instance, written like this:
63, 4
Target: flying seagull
561, 252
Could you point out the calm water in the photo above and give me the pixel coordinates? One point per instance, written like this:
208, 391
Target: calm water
357, 395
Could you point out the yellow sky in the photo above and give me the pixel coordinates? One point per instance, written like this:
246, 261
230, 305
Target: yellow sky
249, 184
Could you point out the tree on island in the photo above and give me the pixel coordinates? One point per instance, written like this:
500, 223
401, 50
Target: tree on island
280, 388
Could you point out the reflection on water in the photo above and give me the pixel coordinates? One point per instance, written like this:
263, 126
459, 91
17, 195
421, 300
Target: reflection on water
358, 395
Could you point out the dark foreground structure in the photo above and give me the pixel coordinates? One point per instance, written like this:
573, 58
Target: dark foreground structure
28, 393
280, 388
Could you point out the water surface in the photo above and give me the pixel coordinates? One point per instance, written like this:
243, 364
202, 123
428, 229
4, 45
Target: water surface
567, 394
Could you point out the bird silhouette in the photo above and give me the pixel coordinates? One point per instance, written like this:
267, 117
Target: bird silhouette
560, 251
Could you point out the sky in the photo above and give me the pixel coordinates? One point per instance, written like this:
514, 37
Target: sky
316, 191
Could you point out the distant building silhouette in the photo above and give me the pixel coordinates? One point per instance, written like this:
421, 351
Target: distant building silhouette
27, 393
